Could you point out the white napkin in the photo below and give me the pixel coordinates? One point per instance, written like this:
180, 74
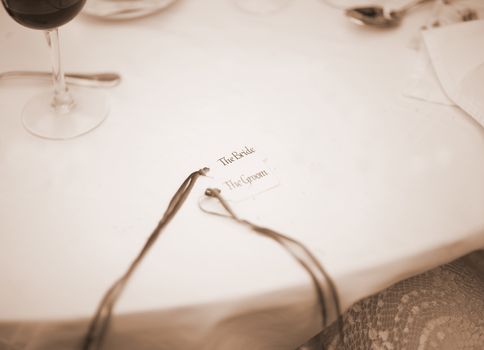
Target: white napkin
424, 84
457, 56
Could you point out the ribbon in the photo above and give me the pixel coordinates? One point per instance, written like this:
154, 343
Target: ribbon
100, 322
301, 254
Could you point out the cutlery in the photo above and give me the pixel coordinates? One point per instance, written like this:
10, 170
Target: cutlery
124, 9
108, 79
377, 16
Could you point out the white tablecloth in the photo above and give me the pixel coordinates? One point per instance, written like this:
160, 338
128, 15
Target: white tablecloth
379, 186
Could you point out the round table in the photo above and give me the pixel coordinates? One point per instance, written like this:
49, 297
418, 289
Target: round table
379, 186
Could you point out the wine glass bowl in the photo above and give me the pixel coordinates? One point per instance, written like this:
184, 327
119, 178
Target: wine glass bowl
43, 14
66, 114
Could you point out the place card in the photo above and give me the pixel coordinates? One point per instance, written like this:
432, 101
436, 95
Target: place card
242, 173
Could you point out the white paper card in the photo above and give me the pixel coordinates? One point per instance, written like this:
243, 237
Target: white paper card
242, 173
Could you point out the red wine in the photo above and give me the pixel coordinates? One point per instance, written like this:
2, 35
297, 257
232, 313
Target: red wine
43, 14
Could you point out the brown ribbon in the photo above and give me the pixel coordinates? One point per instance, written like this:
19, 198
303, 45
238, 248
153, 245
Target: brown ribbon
301, 254
100, 323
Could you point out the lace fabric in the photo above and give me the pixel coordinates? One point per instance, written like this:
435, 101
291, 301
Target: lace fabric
440, 309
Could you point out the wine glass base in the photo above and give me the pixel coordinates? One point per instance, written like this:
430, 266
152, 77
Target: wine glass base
89, 111
261, 6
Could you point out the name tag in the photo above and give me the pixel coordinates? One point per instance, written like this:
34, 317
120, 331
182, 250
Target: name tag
242, 173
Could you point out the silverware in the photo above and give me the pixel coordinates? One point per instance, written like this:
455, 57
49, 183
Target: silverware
377, 16
108, 79
124, 9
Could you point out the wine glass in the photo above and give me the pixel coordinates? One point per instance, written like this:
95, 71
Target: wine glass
261, 6
69, 112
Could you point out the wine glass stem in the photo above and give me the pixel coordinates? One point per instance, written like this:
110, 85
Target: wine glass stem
62, 102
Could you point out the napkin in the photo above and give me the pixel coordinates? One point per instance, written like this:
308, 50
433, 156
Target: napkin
457, 56
424, 84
